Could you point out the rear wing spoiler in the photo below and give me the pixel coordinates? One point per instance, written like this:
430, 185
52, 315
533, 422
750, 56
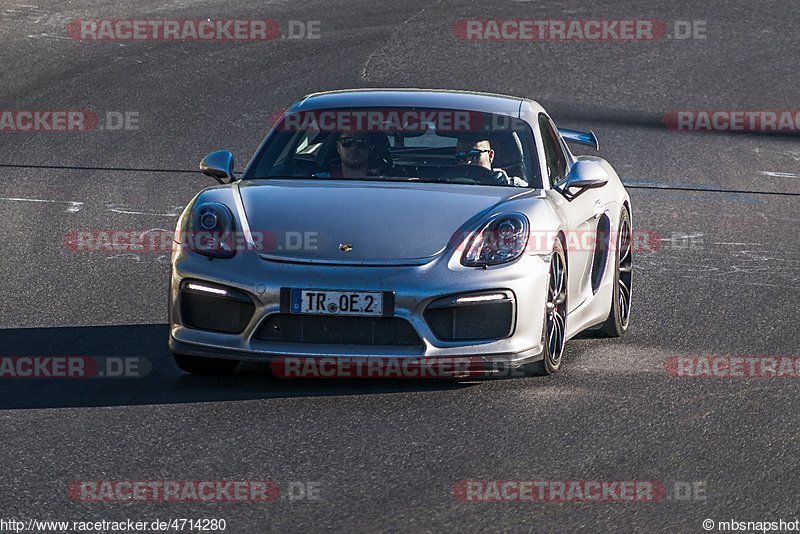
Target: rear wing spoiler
583, 138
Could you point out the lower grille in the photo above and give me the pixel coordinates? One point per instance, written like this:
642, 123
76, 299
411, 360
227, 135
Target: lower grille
493, 320
229, 314
337, 330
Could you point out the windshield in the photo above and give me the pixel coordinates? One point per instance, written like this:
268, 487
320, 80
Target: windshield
401, 144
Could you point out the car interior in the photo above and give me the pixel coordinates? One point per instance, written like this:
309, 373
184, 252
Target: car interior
427, 155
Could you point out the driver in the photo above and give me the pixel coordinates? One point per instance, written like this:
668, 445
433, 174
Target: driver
478, 151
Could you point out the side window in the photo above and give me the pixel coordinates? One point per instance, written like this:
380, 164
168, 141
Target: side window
555, 160
297, 154
309, 146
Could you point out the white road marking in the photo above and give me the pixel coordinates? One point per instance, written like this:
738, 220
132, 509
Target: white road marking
50, 36
781, 174
682, 237
125, 255
126, 211
161, 258
72, 208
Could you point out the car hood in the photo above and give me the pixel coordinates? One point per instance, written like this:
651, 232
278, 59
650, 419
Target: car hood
384, 222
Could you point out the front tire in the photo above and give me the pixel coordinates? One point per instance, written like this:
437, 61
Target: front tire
205, 366
620, 313
554, 335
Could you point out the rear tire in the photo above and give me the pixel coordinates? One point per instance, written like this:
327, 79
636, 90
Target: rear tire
554, 329
205, 366
620, 313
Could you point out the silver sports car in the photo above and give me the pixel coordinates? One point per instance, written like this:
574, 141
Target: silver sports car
403, 225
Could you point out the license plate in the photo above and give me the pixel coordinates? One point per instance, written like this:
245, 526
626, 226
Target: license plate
325, 302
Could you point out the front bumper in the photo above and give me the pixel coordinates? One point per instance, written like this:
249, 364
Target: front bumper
414, 288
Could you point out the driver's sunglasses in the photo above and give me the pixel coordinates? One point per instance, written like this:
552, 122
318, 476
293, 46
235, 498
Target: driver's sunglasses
349, 142
473, 154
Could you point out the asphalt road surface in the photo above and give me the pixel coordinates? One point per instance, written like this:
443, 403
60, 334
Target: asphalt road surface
370, 456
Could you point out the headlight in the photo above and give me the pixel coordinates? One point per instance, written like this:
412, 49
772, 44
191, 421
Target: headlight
212, 230
499, 240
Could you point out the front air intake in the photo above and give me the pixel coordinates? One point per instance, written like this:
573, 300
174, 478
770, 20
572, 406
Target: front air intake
476, 317
214, 307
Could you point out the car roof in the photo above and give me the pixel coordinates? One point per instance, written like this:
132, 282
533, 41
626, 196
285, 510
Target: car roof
423, 98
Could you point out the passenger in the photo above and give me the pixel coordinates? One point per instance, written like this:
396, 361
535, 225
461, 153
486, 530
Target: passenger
356, 151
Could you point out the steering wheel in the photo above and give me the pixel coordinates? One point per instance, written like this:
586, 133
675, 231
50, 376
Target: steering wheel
469, 174
395, 171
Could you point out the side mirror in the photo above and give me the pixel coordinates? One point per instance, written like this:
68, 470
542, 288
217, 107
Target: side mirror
586, 175
218, 165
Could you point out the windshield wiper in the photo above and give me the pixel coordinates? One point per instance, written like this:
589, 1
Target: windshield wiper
375, 178
296, 176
